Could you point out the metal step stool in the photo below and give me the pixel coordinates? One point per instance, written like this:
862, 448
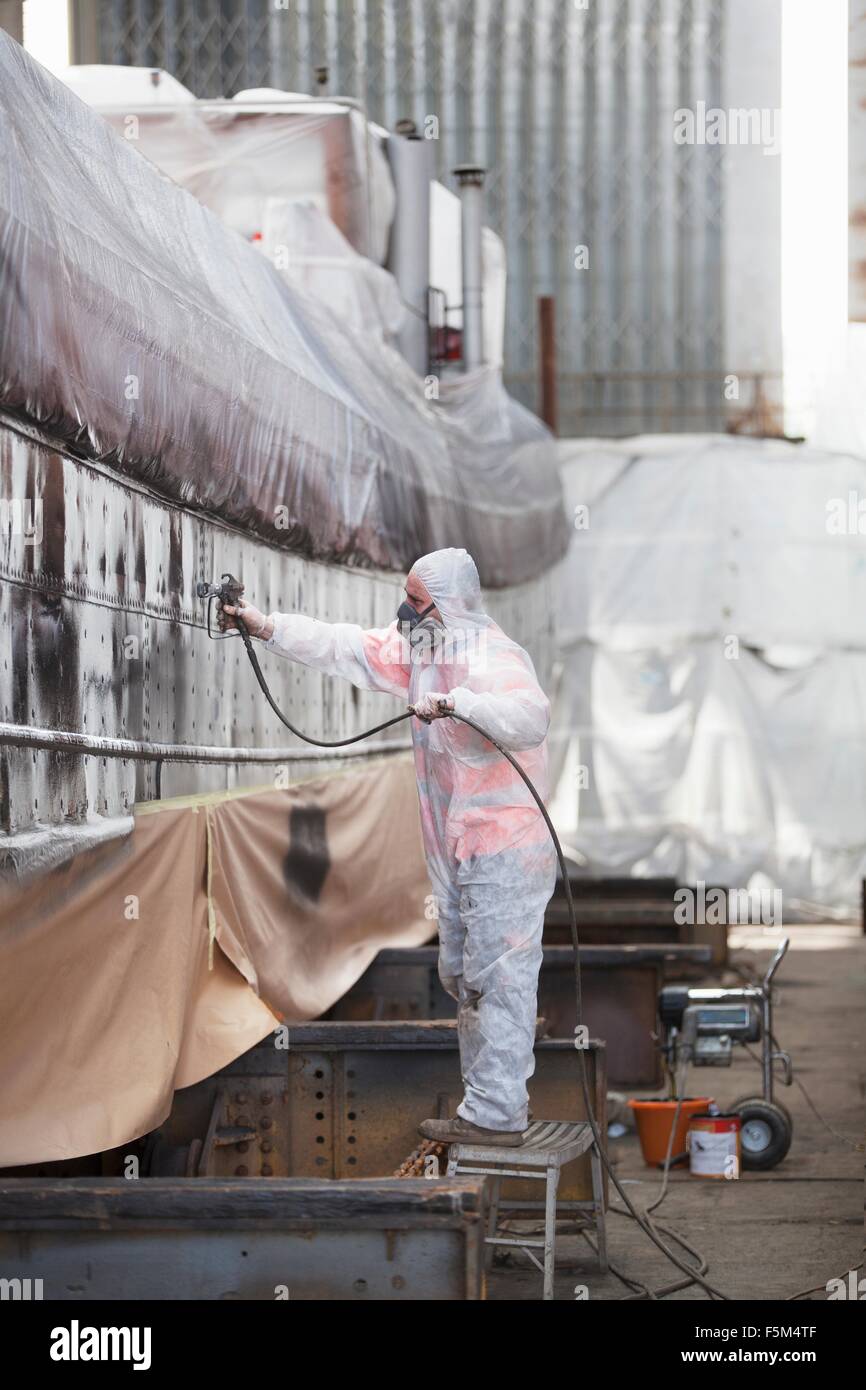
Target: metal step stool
548, 1144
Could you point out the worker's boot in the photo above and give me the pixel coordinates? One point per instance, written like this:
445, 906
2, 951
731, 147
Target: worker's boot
460, 1131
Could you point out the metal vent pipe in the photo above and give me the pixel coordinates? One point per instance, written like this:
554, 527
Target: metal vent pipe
409, 253
471, 180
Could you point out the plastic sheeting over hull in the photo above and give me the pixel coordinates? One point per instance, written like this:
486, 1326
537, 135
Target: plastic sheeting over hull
141, 329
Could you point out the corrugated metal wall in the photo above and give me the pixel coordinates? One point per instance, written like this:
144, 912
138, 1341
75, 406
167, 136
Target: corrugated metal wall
856, 162
570, 105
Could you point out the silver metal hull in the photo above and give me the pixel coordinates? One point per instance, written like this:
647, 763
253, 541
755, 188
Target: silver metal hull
104, 637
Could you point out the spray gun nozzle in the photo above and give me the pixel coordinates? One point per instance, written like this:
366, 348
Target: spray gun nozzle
228, 590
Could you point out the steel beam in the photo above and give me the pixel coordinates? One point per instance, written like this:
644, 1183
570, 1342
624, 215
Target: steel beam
344, 1099
97, 1238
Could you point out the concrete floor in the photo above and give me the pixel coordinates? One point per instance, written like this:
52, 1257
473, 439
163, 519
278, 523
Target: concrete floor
767, 1235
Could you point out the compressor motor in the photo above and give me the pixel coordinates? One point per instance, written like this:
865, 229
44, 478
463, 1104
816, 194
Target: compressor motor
701, 1026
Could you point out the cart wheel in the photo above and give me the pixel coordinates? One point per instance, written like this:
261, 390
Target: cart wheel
765, 1136
748, 1100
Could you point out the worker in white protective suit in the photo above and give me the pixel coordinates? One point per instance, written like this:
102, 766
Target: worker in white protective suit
491, 861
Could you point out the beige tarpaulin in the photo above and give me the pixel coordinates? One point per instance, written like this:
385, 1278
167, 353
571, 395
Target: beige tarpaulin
334, 871
107, 1001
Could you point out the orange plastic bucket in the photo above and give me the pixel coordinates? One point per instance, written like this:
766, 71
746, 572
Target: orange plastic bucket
654, 1119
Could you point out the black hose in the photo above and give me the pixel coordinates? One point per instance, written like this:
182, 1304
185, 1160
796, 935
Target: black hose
307, 738
694, 1276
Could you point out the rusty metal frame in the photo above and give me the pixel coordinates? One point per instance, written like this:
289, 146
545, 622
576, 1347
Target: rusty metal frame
344, 1099
181, 1238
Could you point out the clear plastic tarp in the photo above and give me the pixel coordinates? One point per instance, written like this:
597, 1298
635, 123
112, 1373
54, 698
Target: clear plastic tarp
235, 155
140, 329
714, 649
314, 256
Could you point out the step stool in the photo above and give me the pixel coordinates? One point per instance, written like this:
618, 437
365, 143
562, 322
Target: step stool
547, 1145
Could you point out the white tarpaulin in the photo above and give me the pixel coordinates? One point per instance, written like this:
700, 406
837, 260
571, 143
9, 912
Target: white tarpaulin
714, 648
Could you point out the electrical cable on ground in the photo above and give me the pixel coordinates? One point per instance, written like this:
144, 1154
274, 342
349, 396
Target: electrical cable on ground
857, 1145
818, 1288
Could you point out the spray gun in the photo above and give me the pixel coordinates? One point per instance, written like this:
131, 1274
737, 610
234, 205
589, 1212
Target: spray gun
229, 590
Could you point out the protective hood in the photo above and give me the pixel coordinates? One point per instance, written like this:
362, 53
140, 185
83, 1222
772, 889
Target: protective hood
451, 579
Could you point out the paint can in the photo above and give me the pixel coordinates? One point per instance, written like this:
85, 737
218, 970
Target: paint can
714, 1146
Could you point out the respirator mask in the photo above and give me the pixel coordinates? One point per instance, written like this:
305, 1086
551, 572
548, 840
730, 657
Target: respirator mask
407, 614
419, 630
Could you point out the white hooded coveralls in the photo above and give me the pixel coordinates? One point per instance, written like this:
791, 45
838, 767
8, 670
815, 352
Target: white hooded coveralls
491, 861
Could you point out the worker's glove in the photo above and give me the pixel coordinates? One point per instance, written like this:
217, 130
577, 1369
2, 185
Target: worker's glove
255, 621
433, 706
